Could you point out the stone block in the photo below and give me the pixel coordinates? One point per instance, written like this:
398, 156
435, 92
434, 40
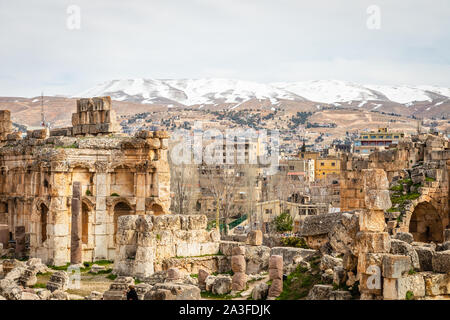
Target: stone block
395, 266
372, 220
276, 274
377, 200
320, 292
404, 236
238, 263
396, 289
275, 288
376, 242
437, 284
239, 281
441, 262
276, 262
240, 250
255, 238
340, 295
371, 283
202, 275
425, 255
221, 285
260, 291
404, 248
375, 179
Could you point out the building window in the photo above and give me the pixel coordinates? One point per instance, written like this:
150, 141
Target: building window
333, 164
322, 164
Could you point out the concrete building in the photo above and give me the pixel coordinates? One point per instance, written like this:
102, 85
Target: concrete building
370, 141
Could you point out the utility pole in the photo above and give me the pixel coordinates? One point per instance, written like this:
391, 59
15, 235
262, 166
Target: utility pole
43, 122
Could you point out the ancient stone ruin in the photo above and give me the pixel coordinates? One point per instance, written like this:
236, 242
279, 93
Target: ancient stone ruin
78, 195
118, 175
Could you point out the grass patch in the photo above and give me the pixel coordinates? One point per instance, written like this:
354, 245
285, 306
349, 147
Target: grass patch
114, 194
40, 286
107, 271
295, 242
409, 295
202, 256
111, 276
60, 268
103, 262
411, 271
398, 187
70, 146
429, 179
300, 282
194, 275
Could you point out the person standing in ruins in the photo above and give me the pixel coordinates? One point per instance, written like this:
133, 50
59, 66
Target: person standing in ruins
131, 293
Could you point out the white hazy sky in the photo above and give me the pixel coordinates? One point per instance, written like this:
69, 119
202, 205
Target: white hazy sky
256, 40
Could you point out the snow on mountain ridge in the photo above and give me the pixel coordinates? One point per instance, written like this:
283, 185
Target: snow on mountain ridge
215, 90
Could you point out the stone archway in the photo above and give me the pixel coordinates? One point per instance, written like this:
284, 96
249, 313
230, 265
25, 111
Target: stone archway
425, 223
120, 209
157, 209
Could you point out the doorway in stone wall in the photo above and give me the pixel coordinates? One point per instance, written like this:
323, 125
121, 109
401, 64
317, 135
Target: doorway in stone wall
157, 209
120, 209
425, 224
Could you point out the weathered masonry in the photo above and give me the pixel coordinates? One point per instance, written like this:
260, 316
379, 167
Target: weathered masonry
119, 175
418, 172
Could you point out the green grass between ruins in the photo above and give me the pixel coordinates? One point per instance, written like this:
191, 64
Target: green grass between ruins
201, 256
399, 200
300, 282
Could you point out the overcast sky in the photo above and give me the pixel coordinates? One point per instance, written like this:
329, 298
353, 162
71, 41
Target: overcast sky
257, 40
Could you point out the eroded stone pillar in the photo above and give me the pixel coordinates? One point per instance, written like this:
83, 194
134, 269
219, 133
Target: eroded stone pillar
76, 244
20, 242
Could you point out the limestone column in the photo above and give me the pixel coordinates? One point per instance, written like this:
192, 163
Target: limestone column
76, 244
101, 217
140, 192
276, 275
238, 265
372, 241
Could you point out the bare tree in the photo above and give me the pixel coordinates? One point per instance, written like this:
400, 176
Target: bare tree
183, 186
221, 182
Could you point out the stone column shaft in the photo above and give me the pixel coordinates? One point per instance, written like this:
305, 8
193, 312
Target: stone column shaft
76, 233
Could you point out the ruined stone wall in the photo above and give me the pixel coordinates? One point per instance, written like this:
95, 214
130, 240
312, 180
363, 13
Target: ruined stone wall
145, 242
420, 168
94, 116
118, 175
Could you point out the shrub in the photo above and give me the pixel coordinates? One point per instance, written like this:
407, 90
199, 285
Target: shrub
283, 222
296, 242
409, 295
112, 276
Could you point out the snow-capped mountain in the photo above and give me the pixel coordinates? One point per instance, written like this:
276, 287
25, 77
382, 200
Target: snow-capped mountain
189, 92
